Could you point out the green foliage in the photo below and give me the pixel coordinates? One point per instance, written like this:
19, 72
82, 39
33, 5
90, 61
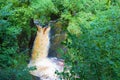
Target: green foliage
94, 55
43, 10
17, 70
12, 60
93, 36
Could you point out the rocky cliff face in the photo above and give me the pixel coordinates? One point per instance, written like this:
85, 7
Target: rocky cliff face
57, 36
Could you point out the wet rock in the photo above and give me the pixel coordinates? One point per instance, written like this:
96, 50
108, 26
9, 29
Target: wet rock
57, 36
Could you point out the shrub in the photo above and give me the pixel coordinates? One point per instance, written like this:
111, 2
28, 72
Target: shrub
94, 54
12, 61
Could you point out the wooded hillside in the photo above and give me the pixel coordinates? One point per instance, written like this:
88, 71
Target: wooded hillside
92, 40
